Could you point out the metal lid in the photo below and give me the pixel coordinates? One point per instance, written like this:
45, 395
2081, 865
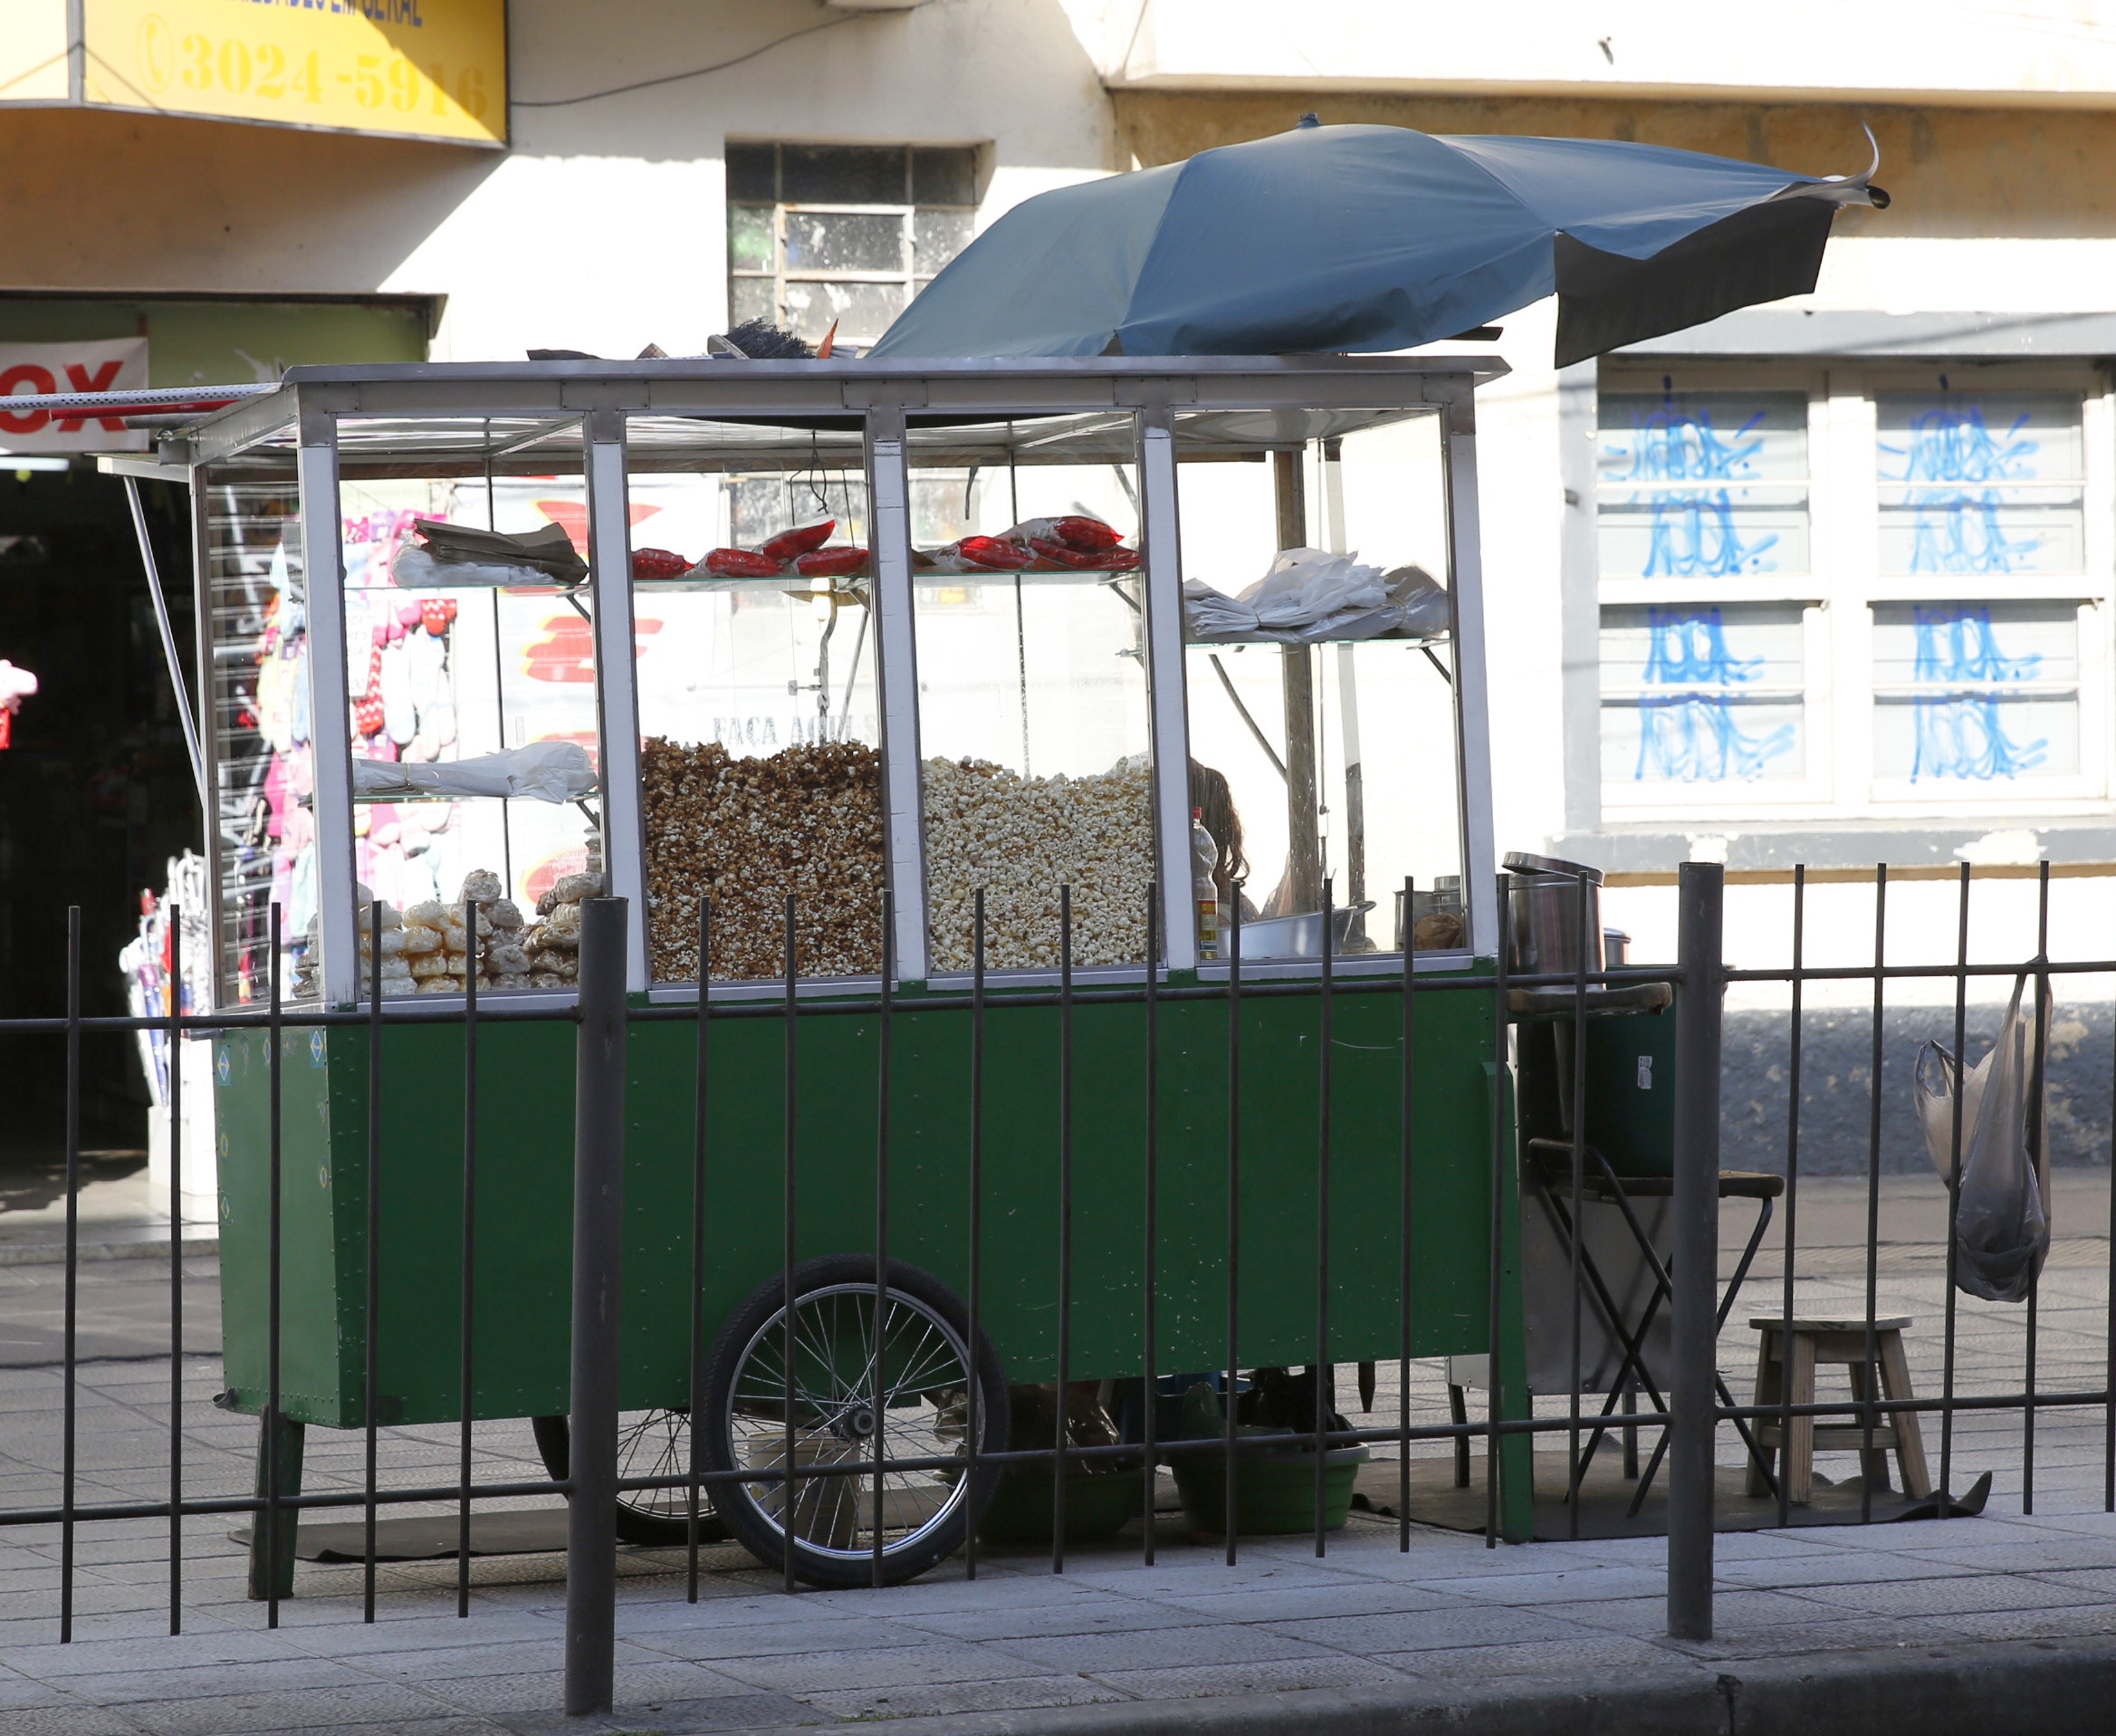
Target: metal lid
1521, 862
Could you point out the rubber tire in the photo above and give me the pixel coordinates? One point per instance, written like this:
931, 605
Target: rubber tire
737, 1509
554, 1446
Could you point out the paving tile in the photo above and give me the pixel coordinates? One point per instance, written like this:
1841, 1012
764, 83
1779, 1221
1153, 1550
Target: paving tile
1298, 1603
126, 1687
1598, 1653
2093, 1582
1857, 1633
1439, 1629
791, 1638
909, 1665
532, 1690
2051, 1549
1737, 1611
316, 1708
1165, 1648
1170, 1577
1561, 1587
1948, 1597
718, 1713
1103, 1615
418, 1632
1014, 1693
1834, 1568
1262, 1676
65, 1720
2025, 1624
166, 1651
20, 1691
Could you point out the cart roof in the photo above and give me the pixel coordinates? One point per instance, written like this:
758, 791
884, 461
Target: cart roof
464, 419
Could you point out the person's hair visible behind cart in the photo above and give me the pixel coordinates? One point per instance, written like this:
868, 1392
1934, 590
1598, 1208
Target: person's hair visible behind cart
1214, 801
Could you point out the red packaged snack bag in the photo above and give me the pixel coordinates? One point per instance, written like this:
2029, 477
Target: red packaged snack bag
658, 564
1118, 559
1079, 560
845, 558
1088, 533
995, 552
743, 563
787, 544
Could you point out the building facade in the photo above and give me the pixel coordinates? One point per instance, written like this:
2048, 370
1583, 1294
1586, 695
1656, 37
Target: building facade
1827, 583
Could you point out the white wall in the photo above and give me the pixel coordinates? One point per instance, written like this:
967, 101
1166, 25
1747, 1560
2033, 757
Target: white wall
605, 227
1951, 50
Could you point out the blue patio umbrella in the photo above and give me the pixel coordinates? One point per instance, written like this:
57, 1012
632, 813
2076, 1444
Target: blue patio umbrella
1367, 238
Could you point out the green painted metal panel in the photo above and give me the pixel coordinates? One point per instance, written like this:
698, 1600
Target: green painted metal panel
523, 1222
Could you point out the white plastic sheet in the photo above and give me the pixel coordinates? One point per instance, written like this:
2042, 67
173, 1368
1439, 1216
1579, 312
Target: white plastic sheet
2002, 1223
541, 771
1310, 596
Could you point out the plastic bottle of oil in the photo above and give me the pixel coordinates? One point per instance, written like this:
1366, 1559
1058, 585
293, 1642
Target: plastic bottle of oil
1204, 857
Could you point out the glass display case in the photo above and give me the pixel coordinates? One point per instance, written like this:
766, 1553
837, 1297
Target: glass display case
1127, 654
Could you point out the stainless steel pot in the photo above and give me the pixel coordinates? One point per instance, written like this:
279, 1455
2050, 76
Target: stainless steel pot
1547, 925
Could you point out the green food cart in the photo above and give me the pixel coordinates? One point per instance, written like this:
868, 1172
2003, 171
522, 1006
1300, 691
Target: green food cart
965, 718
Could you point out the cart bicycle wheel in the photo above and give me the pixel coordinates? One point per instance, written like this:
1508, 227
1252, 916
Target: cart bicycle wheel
650, 1443
876, 1380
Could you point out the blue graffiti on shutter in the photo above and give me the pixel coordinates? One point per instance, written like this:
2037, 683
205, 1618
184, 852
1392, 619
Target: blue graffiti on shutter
1961, 735
1693, 532
1693, 736
1958, 529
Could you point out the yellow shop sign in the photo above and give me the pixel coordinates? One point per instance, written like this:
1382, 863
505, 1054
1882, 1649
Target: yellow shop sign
421, 69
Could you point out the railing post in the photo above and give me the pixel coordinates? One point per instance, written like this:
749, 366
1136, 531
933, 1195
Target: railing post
1691, 1401
598, 1185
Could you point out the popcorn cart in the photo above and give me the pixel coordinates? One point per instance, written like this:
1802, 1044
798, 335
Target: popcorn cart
957, 724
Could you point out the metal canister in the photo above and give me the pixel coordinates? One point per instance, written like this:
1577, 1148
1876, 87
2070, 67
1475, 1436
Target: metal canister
1549, 921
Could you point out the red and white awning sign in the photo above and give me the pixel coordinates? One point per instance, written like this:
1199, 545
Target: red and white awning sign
36, 369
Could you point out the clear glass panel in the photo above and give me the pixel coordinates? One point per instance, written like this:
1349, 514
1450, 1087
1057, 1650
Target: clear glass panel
860, 311
473, 717
762, 777
844, 175
1032, 702
937, 236
263, 722
1703, 696
1976, 690
844, 241
1971, 438
1982, 530
753, 298
1702, 533
1647, 438
749, 238
1322, 720
1678, 475
945, 174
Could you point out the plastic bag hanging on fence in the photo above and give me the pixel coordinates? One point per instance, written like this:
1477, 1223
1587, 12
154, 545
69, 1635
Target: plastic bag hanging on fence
2001, 1225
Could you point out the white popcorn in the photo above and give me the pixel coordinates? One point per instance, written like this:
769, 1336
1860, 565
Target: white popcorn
1020, 839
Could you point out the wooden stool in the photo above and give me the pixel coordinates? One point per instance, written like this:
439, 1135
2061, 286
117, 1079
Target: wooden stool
1784, 1375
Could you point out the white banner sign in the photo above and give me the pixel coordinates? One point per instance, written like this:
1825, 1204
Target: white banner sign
33, 370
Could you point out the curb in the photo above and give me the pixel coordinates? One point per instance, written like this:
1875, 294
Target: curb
53, 1254
2052, 1687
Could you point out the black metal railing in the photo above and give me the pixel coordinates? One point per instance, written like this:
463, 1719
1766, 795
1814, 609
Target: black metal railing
1689, 1414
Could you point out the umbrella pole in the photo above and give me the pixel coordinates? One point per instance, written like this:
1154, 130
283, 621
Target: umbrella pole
1348, 704
1304, 856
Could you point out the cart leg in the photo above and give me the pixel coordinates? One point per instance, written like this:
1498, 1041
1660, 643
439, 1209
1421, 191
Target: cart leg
271, 1570
1459, 1415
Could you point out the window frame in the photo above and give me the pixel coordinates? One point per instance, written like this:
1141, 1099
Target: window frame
1846, 585
909, 278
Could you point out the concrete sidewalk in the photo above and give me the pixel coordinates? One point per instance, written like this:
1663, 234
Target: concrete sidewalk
1534, 1637
1984, 1626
